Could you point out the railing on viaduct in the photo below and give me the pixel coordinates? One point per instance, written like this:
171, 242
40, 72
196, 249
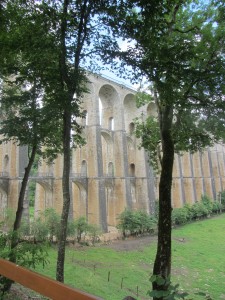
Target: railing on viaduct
41, 284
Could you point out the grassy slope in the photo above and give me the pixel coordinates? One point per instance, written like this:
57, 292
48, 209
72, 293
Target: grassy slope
198, 264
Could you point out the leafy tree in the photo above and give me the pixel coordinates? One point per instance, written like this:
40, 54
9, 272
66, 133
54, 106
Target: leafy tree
56, 39
81, 226
25, 122
180, 50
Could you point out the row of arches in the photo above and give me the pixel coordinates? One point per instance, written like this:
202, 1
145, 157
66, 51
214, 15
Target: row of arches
110, 172
113, 110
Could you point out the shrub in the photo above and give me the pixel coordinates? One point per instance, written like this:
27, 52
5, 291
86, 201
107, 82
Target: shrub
216, 207
39, 230
8, 216
26, 254
208, 203
136, 222
180, 216
127, 222
81, 227
189, 210
221, 199
93, 232
199, 210
52, 221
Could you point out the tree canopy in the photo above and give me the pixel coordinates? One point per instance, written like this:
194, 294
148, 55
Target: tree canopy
179, 49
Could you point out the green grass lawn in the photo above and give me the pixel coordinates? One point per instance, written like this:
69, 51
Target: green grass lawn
198, 260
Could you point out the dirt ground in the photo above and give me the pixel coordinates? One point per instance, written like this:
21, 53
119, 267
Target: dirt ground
131, 243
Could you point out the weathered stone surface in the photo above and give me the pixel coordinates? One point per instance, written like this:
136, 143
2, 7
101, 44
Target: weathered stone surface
110, 173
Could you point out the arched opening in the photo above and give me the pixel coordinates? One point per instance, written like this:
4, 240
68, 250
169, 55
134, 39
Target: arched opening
3, 204
107, 150
84, 168
131, 128
80, 202
111, 123
85, 118
130, 111
6, 164
132, 170
43, 196
110, 113
110, 169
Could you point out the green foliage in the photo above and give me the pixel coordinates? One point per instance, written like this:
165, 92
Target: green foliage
149, 133
221, 198
136, 222
8, 216
171, 293
217, 207
133, 261
27, 253
93, 232
142, 98
39, 230
179, 216
52, 222
81, 226
32, 187
208, 203
198, 210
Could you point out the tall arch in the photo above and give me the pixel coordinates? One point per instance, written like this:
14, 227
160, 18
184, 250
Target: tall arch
110, 169
130, 111
3, 203
132, 170
80, 201
110, 107
107, 150
6, 164
111, 123
84, 168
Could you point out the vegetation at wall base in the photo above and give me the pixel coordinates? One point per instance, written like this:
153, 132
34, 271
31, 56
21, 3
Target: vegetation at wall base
196, 264
204, 208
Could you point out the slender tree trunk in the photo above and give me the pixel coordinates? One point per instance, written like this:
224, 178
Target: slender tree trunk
66, 197
162, 264
19, 211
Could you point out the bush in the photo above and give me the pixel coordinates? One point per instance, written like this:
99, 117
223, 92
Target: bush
221, 199
180, 216
8, 216
93, 232
136, 222
26, 254
199, 210
81, 227
39, 230
52, 221
189, 210
208, 203
217, 207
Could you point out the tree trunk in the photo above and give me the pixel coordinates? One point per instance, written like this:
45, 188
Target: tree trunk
162, 264
66, 197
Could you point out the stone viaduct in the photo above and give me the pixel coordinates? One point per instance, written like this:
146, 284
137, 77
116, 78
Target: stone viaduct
110, 172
